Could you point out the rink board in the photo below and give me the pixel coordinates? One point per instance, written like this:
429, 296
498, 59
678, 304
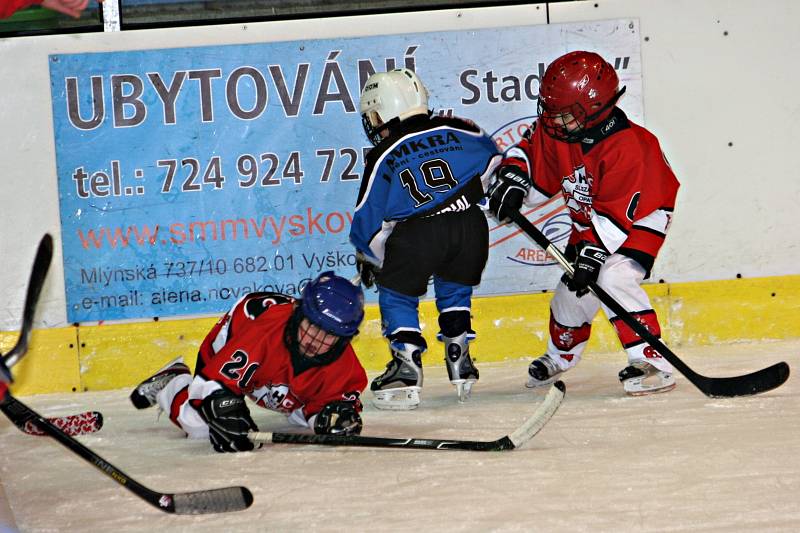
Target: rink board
111, 356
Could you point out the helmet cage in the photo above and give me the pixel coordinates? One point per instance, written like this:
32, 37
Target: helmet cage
374, 132
294, 339
335, 307
553, 120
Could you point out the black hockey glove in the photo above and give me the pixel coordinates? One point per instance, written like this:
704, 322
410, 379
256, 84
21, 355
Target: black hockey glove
367, 270
508, 191
228, 420
591, 258
338, 418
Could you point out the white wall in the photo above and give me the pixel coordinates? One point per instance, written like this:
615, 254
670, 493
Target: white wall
702, 90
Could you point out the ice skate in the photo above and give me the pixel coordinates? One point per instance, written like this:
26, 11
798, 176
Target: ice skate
542, 371
144, 395
399, 386
460, 369
641, 378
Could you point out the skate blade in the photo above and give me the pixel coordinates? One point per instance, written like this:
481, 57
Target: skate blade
644, 391
463, 389
535, 383
401, 399
650, 383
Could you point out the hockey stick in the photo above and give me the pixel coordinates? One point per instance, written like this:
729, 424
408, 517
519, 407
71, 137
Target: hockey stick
754, 383
520, 436
44, 254
72, 425
198, 502
88, 422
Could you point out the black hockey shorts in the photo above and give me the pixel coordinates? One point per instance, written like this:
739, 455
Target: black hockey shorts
453, 246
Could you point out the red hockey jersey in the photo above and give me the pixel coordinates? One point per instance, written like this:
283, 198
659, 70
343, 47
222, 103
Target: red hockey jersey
616, 182
245, 352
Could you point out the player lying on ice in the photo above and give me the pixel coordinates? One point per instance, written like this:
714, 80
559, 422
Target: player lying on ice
620, 192
287, 355
417, 217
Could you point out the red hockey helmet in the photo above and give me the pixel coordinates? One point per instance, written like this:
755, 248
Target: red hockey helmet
578, 91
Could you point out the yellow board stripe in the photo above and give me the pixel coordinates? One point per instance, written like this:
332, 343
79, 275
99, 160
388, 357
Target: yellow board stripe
509, 327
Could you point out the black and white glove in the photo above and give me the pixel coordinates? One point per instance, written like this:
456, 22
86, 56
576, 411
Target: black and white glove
588, 263
367, 270
509, 189
338, 418
228, 420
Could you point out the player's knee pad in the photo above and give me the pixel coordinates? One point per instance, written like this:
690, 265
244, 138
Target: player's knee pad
565, 338
627, 336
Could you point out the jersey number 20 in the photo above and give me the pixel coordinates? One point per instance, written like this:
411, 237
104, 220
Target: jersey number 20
232, 369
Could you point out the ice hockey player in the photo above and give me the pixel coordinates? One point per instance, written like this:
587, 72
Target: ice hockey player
620, 192
417, 216
287, 355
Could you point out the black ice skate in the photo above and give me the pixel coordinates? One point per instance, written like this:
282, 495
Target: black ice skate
460, 369
542, 371
399, 385
144, 395
641, 378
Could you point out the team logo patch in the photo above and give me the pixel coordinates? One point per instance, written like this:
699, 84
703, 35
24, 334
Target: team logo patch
577, 189
276, 397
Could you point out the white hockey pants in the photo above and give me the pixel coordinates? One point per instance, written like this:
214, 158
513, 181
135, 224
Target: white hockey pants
571, 316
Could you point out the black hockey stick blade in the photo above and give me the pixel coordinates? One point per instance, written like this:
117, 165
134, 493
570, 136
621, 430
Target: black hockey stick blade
41, 264
520, 436
745, 385
198, 502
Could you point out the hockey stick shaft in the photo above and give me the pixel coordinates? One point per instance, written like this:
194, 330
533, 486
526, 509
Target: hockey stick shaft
519, 437
41, 264
748, 384
199, 502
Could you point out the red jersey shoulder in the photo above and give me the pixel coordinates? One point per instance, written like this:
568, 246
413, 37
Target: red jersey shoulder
634, 145
639, 147
252, 306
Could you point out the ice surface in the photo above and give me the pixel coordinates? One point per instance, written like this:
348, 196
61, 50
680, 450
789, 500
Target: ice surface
605, 462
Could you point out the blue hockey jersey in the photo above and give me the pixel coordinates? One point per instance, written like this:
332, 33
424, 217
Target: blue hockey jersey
429, 166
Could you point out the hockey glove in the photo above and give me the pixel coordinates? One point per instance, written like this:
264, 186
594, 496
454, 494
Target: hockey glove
367, 270
508, 191
228, 420
591, 258
338, 418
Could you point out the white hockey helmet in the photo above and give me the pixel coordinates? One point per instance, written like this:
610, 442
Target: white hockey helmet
388, 98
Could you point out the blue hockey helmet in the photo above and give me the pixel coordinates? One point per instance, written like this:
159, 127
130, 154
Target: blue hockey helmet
324, 320
334, 304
